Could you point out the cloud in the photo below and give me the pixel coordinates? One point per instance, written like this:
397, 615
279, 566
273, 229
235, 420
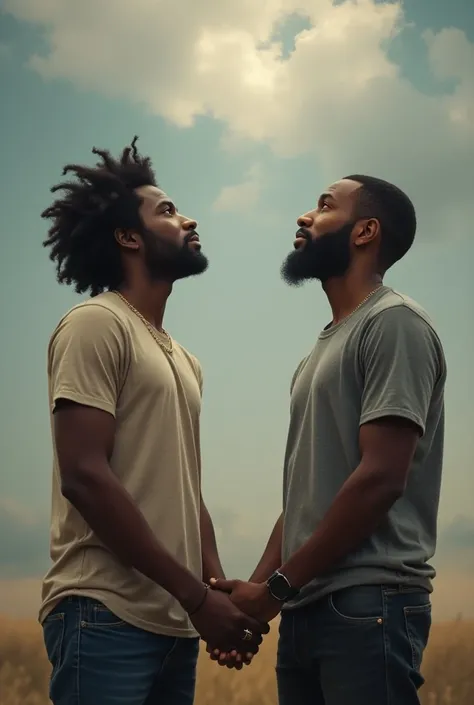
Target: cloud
338, 95
241, 196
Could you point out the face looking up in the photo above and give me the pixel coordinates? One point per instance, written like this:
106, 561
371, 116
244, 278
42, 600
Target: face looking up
326, 237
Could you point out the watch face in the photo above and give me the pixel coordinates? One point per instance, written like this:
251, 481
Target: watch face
279, 587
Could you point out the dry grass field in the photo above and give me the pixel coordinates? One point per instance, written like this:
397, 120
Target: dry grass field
448, 669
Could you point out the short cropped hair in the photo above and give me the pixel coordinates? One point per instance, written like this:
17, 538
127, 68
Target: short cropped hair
394, 211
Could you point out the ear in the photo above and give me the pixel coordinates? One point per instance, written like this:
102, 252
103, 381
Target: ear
127, 239
366, 232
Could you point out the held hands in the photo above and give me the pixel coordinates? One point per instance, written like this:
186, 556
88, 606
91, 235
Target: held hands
253, 599
220, 622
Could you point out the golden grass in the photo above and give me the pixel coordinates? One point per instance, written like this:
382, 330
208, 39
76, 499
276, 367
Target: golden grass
448, 668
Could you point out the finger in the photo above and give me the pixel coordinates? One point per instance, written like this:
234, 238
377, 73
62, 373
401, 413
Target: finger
256, 640
257, 627
238, 660
251, 644
223, 585
251, 647
235, 661
213, 653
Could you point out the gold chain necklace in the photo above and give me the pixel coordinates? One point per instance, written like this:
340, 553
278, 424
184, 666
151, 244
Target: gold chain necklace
374, 291
366, 299
151, 329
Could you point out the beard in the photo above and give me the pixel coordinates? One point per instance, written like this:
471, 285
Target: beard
170, 262
323, 258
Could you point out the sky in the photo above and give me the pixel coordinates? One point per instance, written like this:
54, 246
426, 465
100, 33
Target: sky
248, 110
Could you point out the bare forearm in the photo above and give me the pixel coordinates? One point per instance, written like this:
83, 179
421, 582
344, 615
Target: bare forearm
211, 564
111, 513
271, 558
356, 512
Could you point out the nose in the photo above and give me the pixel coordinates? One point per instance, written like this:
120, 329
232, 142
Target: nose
189, 224
304, 221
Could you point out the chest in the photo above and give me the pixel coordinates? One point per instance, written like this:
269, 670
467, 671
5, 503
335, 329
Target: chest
160, 381
331, 376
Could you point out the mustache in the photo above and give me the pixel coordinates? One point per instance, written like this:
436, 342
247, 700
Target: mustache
190, 236
302, 232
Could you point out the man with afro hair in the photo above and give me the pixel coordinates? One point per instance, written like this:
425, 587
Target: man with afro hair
132, 543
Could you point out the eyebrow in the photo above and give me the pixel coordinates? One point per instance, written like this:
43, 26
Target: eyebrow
166, 202
325, 196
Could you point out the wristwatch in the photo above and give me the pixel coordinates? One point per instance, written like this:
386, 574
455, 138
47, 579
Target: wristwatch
280, 587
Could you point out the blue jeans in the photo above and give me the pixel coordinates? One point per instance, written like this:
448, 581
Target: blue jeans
98, 659
358, 646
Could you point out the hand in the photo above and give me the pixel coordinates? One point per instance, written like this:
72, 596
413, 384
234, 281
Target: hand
233, 659
252, 598
221, 623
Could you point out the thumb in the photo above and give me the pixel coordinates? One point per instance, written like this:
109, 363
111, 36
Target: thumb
223, 585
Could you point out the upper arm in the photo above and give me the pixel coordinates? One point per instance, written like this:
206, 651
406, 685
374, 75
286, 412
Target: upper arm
87, 361
402, 362
387, 447
84, 440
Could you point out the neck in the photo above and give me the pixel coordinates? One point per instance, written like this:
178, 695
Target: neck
347, 292
149, 298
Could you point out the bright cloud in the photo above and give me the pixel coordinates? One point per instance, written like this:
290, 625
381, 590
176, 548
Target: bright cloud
338, 95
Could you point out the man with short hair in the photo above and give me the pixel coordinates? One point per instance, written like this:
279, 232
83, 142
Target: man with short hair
132, 542
348, 560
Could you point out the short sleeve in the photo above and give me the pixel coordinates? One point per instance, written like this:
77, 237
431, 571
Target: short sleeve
199, 374
87, 358
402, 361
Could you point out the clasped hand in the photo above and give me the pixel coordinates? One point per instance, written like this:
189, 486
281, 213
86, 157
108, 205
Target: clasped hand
253, 599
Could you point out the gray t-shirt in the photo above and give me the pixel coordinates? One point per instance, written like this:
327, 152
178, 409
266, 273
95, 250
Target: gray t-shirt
384, 360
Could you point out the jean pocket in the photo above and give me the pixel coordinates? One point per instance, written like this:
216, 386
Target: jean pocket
53, 634
358, 605
98, 615
418, 626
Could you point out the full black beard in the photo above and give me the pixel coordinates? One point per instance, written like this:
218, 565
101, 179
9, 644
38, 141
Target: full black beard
166, 261
323, 258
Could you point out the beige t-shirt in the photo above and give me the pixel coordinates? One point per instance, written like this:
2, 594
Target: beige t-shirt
102, 355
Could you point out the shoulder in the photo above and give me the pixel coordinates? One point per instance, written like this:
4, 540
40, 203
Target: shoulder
93, 321
399, 310
87, 315
398, 325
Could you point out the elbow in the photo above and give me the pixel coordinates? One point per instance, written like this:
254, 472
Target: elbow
77, 481
393, 492
70, 491
387, 486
